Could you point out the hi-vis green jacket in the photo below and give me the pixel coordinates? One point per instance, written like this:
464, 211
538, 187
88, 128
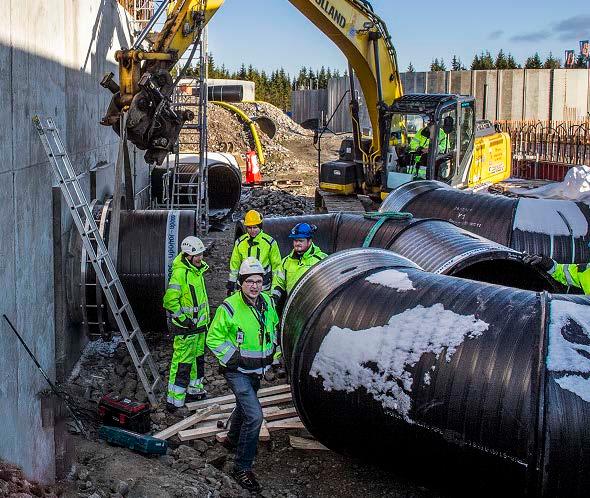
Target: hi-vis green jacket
293, 267
574, 275
186, 296
244, 337
265, 249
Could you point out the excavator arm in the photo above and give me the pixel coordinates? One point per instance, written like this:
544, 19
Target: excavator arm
145, 84
364, 40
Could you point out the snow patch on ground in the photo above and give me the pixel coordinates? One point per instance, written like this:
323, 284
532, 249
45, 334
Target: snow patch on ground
543, 216
393, 279
566, 356
377, 358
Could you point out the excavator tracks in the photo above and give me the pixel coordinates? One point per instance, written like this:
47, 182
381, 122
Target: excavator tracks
327, 202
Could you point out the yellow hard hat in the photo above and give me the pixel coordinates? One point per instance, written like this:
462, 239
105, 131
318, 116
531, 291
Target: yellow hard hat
252, 218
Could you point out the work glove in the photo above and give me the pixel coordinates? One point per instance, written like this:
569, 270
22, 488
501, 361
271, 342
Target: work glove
540, 261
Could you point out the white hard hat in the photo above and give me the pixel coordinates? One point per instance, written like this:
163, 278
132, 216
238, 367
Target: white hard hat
251, 266
192, 246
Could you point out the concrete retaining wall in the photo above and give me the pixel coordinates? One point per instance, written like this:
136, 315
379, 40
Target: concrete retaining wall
52, 57
537, 94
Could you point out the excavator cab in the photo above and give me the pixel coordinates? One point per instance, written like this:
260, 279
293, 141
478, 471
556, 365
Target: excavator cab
430, 138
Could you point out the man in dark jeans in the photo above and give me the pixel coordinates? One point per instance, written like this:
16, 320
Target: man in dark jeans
243, 337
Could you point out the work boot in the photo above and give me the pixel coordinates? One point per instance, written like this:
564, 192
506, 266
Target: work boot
247, 480
170, 408
198, 396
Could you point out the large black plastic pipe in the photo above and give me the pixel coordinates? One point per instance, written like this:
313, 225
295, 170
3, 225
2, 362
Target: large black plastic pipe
482, 386
434, 245
148, 243
557, 228
224, 187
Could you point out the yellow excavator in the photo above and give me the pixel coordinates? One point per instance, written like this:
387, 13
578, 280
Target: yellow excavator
453, 146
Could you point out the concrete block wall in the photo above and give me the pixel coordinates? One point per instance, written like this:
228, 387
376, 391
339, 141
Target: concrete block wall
52, 57
515, 94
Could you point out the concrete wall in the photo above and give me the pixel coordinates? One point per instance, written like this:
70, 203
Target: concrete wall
309, 104
52, 56
538, 94
341, 123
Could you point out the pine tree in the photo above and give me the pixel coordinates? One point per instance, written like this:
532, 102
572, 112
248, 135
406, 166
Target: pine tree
456, 64
476, 63
411, 68
511, 63
437, 65
322, 79
551, 62
501, 61
533, 62
487, 62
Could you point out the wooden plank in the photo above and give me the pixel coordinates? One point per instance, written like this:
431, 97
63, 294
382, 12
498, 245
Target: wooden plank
187, 422
221, 437
267, 391
280, 414
302, 443
266, 401
201, 432
213, 430
288, 423
267, 411
264, 433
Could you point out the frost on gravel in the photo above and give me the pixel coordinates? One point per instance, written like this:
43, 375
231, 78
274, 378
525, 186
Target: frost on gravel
378, 358
393, 279
569, 346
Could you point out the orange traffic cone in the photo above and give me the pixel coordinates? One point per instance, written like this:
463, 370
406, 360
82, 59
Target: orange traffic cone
252, 168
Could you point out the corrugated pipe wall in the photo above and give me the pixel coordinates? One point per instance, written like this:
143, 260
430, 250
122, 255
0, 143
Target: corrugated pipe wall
557, 228
472, 386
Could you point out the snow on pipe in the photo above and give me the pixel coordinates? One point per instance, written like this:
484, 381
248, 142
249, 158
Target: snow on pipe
556, 228
224, 183
148, 243
434, 245
468, 383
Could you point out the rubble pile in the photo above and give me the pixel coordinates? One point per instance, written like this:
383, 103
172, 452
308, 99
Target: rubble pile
14, 484
273, 202
286, 127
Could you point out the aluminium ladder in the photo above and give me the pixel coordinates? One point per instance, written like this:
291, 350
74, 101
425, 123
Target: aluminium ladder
98, 254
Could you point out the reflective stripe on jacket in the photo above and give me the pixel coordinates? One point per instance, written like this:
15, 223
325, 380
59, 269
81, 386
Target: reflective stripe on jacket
244, 337
572, 275
264, 248
294, 267
186, 296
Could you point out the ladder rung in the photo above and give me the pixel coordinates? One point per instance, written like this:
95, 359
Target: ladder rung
133, 334
58, 154
110, 284
121, 309
78, 206
145, 359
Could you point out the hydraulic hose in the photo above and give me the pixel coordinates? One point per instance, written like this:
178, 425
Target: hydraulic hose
244, 117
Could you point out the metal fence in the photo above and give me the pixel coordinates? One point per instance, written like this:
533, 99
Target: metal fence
546, 150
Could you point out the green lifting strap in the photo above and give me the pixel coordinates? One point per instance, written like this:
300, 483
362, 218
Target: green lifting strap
382, 218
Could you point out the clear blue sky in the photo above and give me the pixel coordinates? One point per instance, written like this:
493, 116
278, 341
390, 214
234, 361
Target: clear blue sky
271, 33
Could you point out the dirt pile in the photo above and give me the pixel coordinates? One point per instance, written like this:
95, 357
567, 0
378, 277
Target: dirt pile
286, 127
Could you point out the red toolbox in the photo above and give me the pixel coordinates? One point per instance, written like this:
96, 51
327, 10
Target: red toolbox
123, 412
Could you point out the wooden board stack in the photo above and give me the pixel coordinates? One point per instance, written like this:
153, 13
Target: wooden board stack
212, 416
